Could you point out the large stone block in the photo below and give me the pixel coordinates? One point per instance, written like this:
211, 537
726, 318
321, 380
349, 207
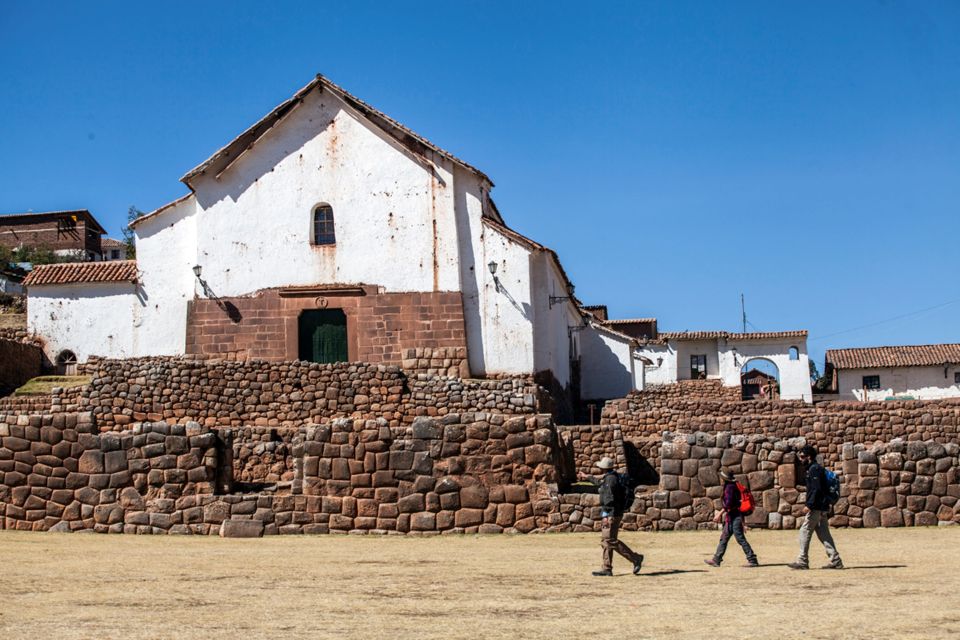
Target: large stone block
91, 462
241, 529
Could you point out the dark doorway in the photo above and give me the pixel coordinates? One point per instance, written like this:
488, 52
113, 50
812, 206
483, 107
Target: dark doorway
323, 335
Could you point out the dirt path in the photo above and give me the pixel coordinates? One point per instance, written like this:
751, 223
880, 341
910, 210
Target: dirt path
900, 584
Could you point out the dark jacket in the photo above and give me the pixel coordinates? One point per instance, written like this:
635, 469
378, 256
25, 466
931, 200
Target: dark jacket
731, 499
611, 500
818, 494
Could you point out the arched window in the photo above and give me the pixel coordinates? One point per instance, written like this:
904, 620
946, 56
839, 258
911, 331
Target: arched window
794, 353
323, 225
66, 363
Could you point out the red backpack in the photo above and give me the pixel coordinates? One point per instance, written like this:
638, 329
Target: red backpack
747, 501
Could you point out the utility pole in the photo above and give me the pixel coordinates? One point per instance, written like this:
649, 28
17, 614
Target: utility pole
743, 312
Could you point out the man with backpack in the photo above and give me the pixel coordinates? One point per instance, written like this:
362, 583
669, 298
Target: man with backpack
737, 503
616, 495
823, 490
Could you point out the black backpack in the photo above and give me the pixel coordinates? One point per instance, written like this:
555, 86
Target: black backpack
625, 492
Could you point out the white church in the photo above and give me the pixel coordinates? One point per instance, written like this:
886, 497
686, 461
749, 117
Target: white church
329, 232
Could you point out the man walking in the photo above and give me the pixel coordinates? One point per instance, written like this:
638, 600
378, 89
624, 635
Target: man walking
732, 520
818, 513
613, 495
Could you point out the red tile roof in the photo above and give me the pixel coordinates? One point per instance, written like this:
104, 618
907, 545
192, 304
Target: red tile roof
110, 242
927, 355
76, 272
727, 335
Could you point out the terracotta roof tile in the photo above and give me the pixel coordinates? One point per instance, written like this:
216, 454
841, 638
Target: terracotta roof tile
711, 335
927, 355
77, 272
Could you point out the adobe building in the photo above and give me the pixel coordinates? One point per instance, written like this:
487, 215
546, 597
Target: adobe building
915, 372
66, 233
328, 231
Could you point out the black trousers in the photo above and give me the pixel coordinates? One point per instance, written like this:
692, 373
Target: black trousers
734, 527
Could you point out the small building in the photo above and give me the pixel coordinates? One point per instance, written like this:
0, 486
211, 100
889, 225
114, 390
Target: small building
919, 372
113, 249
67, 233
670, 357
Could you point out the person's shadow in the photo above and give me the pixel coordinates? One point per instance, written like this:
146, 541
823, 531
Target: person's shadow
670, 572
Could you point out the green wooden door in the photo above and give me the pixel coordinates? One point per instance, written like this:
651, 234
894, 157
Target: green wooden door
323, 335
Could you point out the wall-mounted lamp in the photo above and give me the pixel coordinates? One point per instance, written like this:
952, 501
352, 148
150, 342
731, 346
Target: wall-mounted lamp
493, 268
197, 270
558, 299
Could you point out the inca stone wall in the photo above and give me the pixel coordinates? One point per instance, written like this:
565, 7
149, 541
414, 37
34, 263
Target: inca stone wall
461, 473
891, 484
252, 392
828, 425
586, 445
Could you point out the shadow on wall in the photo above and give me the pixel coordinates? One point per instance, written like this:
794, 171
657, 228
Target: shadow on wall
639, 468
603, 375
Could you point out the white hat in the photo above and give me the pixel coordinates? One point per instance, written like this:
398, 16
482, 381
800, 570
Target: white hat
606, 463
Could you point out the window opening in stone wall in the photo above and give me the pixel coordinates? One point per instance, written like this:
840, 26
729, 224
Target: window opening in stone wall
794, 353
871, 382
323, 335
323, 232
956, 377
698, 367
760, 380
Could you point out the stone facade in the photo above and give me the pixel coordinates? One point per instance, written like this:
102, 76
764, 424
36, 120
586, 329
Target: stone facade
828, 425
478, 472
422, 331
237, 393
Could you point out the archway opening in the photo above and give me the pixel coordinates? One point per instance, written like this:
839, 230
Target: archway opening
760, 380
66, 363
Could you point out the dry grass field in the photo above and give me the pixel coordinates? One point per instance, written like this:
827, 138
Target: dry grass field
899, 584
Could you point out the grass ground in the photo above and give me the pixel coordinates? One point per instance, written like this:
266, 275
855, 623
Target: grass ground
43, 385
901, 583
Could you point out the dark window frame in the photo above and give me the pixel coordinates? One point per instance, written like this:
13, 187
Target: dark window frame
323, 231
956, 377
871, 383
695, 366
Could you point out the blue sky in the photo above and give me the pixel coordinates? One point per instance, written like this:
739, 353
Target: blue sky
674, 154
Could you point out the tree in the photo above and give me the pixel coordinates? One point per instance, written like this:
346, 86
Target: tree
133, 214
814, 371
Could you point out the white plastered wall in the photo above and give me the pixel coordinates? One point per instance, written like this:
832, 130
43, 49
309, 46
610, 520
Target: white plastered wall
687, 348
921, 383
794, 374
87, 319
664, 367
556, 326
504, 313
166, 254
393, 210
606, 364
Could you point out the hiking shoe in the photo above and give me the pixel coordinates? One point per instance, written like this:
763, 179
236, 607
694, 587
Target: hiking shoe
603, 572
832, 565
797, 565
751, 565
637, 564
712, 562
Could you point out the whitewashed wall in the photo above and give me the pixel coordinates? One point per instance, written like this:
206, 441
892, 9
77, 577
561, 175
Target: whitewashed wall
922, 383
555, 327
166, 254
88, 319
505, 313
687, 348
794, 374
664, 367
606, 364
394, 213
